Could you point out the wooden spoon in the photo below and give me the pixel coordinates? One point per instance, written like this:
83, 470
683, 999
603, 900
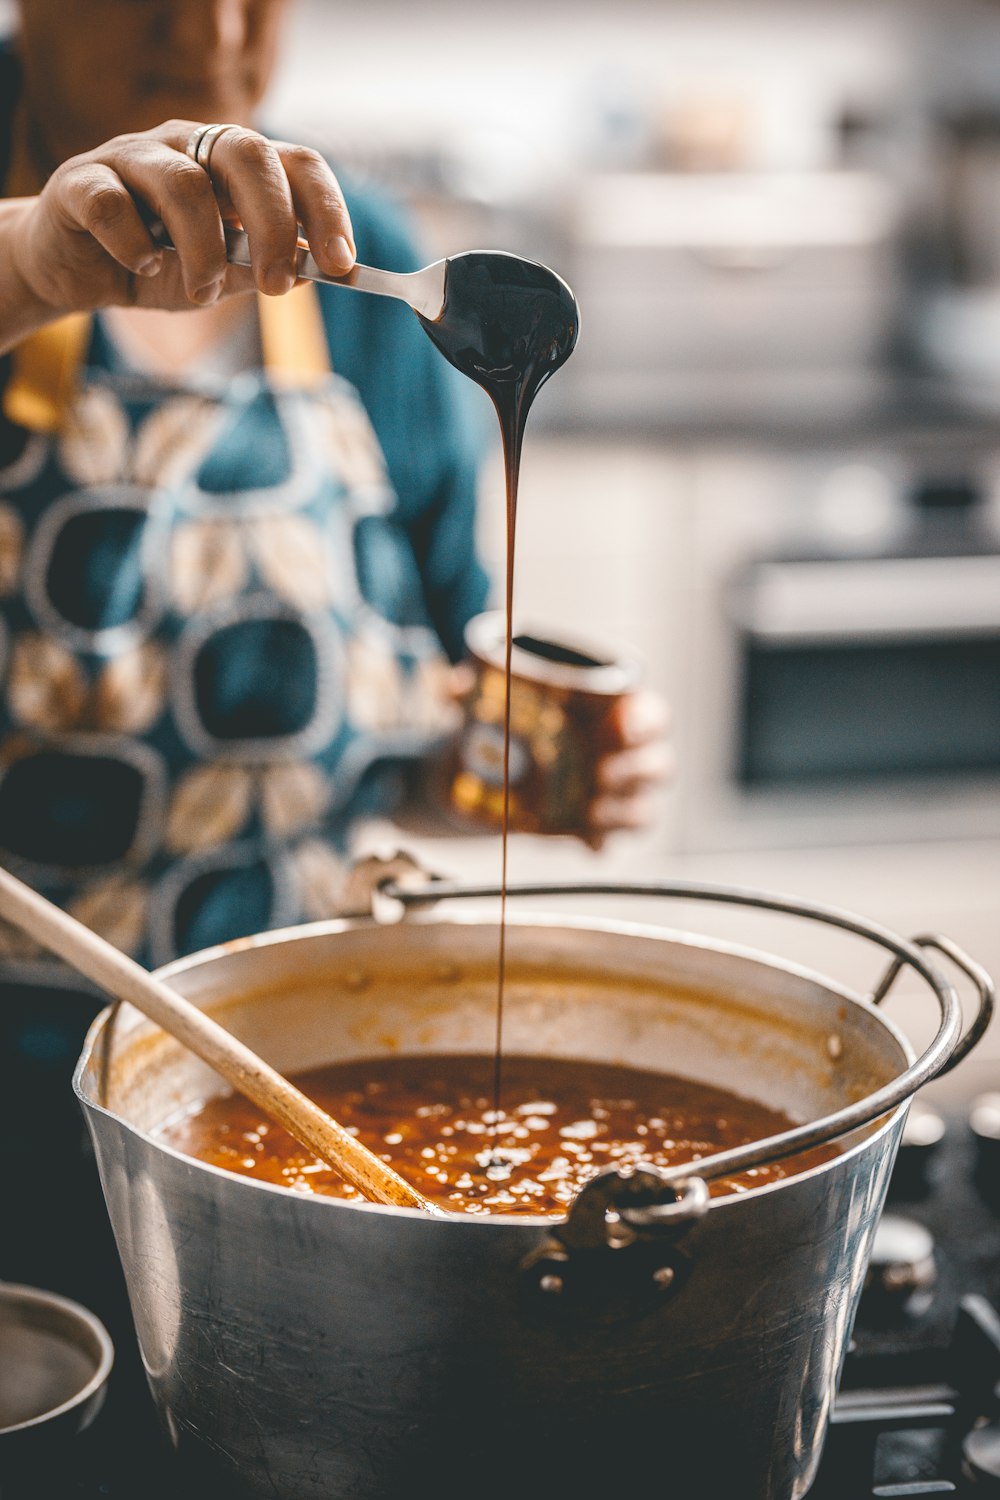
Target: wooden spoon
122, 977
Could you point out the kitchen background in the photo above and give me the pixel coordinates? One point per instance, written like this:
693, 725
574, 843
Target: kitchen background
773, 463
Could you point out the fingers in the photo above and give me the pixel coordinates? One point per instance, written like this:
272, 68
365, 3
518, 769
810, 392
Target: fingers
88, 241
94, 199
626, 772
630, 811
641, 717
247, 170
320, 208
626, 780
178, 192
616, 815
270, 187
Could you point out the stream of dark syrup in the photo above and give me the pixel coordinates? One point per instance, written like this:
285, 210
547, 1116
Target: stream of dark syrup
507, 324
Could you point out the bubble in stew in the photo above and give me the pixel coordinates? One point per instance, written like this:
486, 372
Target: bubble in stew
432, 1118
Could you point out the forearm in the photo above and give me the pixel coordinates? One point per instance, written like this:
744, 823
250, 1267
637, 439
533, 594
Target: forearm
22, 311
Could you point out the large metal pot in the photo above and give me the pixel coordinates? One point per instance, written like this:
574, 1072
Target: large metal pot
302, 1348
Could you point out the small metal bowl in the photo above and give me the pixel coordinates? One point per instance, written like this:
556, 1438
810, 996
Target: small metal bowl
55, 1359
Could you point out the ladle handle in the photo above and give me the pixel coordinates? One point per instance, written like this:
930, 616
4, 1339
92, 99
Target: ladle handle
422, 290
126, 980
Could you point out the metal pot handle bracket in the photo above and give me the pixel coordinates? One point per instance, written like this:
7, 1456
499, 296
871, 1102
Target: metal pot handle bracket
615, 1209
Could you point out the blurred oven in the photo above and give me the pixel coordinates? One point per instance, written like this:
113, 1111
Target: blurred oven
846, 697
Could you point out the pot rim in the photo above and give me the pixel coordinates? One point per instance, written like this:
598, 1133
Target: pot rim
335, 925
613, 668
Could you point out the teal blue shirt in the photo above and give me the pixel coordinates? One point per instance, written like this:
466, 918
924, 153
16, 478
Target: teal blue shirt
428, 419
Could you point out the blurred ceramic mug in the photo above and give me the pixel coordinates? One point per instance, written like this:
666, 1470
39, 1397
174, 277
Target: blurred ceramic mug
564, 702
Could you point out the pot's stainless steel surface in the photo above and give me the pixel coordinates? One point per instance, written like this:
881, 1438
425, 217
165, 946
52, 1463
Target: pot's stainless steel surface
302, 1348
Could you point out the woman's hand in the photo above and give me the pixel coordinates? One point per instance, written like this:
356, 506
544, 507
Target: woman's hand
628, 777
83, 242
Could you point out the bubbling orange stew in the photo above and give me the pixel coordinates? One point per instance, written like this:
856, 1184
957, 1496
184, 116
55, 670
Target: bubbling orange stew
432, 1118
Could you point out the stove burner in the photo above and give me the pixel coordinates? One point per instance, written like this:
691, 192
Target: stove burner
903, 1271
981, 1459
897, 1442
984, 1122
923, 1134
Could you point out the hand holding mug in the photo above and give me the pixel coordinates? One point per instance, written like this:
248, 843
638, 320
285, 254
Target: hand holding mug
587, 744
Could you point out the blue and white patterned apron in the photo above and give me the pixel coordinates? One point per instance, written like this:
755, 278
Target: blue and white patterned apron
214, 658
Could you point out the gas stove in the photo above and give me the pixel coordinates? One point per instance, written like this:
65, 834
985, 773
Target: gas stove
919, 1407
918, 1411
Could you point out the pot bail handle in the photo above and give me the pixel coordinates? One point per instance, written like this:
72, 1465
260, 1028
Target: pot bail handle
618, 1204
984, 986
619, 1251
946, 1048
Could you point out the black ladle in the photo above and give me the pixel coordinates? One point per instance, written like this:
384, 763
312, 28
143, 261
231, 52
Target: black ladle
501, 320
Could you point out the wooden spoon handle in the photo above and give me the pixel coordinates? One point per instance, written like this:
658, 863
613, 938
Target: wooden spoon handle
122, 977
